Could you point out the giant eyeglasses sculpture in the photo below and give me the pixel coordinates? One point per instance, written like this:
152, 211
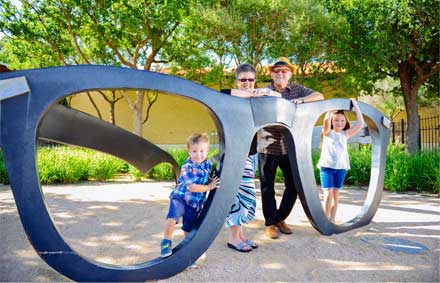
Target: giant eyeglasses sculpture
30, 110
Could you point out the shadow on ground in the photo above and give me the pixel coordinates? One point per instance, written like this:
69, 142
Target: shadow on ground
122, 224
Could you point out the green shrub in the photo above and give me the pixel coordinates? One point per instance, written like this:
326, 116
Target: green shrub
360, 165
396, 170
104, 167
3, 173
180, 155
279, 177
420, 171
164, 171
424, 171
135, 174
161, 172
315, 158
62, 164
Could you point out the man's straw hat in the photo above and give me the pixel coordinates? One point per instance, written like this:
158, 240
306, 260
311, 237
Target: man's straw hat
282, 62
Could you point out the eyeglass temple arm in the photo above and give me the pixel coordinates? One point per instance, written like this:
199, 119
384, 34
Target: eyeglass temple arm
10, 88
69, 126
13, 87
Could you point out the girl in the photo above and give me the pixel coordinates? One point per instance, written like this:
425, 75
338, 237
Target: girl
334, 161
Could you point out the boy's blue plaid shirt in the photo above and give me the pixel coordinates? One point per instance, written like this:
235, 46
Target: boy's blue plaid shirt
192, 173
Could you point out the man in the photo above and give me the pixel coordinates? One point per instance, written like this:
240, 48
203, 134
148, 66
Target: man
272, 149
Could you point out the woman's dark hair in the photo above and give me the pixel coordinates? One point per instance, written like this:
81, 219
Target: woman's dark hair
244, 68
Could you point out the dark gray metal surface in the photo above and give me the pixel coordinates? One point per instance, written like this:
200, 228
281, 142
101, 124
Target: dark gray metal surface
69, 126
237, 121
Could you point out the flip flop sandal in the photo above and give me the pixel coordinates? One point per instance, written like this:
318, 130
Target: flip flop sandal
241, 247
251, 244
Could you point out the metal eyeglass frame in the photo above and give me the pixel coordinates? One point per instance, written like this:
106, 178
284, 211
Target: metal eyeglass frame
29, 110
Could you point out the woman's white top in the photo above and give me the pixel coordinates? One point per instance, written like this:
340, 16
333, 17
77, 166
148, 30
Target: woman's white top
334, 153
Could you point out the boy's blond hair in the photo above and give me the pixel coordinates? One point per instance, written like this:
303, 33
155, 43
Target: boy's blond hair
197, 138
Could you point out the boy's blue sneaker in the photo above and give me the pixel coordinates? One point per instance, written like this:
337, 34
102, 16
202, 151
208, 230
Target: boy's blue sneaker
165, 248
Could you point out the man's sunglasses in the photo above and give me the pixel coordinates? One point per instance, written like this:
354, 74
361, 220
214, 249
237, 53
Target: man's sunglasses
246, 80
283, 71
30, 110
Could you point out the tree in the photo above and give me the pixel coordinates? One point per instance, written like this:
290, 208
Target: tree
261, 25
134, 34
240, 30
386, 97
309, 37
396, 38
111, 97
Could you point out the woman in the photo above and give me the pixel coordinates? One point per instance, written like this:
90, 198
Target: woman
244, 204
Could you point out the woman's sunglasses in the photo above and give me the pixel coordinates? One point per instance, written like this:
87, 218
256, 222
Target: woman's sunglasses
246, 80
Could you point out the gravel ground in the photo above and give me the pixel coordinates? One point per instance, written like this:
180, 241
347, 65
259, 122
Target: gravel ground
121, 223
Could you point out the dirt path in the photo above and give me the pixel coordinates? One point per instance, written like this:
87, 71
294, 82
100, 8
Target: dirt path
120, 223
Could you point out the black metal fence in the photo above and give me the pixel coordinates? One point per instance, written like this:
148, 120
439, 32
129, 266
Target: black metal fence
429, 134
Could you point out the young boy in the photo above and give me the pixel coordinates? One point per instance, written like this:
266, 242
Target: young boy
189, 195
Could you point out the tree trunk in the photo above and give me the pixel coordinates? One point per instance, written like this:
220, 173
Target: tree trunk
112, 113
412, 116
112, 103
137, 117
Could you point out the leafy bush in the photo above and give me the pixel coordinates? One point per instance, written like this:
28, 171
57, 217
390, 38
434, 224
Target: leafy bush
403, 172
180, 155
3, 173
104, 167
419, 172
315, 158
164, 171
360, 163
396, 169
62, 164
279, 177
360, 166
135, 174
161, 172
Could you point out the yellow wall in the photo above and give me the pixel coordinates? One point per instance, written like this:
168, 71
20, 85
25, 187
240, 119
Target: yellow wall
172, 118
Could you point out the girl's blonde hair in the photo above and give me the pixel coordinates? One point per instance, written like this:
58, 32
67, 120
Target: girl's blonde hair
347, 122
197, 138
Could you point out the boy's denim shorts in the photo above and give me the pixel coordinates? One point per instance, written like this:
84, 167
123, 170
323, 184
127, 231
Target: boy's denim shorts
179, 208
332, 178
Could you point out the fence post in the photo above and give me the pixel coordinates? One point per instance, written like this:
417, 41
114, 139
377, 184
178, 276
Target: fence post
393, 129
